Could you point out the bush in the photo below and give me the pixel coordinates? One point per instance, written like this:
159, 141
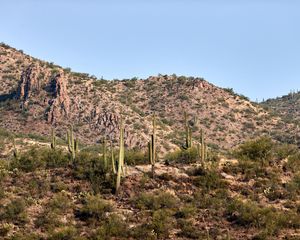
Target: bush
209, 180
162, 223
183, 156
14, 212
94, 209
136, 157
65, 233
249, 214
37, 158
259, 150
155, 201
113, 227
293, 163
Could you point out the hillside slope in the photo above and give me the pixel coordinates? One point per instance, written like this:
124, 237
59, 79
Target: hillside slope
36, 95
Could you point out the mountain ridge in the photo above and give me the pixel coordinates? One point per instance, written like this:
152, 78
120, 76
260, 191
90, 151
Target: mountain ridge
94, 106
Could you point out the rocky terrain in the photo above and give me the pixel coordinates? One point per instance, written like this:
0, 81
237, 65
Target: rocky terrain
37, 95
238, 180
288, 107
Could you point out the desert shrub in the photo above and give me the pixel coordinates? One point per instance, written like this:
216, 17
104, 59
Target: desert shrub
37, 158
14, 212
56, 158
25, 236
249, 214
209, 180
293, 163
188, 230
64, 233
143, 231
283, 151
94, 209
51, 216
113, 227
162, 223
59, 203
259, 150
155, 201
90, 167
136, 157
29, 161
183, 156
293, 187
186, 211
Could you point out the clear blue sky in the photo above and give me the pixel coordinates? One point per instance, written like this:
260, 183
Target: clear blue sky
252, 46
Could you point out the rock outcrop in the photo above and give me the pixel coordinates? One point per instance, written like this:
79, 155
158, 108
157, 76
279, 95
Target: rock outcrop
59, 104
29, 83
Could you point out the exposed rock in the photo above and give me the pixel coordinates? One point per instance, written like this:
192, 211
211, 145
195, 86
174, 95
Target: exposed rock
59, 105
28, 84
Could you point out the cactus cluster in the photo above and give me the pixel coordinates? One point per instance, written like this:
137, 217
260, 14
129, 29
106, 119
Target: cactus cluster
152, 146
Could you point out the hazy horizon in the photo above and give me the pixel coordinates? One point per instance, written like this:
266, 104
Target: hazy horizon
251, 47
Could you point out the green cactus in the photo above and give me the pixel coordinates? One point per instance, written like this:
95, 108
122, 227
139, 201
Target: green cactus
188, 133
113, 165
53, 139
105, 153
152, 146
121, 157
202, 148
72, 144
15, 150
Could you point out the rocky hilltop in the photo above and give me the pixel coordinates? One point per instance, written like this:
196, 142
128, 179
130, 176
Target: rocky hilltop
36, 96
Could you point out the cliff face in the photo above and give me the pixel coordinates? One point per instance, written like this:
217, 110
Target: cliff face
46, 95
59, 104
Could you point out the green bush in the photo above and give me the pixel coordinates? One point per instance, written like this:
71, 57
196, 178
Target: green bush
65, 233
94, 209
293, 163
162, 223
259, 150
209, 180
136, 157
14, 212
113, 227
249, 214
37, 158
183, 156
155, 201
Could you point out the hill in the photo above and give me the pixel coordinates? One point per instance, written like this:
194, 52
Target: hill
38, 95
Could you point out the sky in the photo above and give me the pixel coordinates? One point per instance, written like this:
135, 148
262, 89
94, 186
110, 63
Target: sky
252, 46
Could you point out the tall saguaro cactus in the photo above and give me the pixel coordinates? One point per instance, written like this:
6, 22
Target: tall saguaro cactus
202, 149
72, 144
105, 153
121, 156
188, 132
152, 146
15, 150
53, 139
112, 158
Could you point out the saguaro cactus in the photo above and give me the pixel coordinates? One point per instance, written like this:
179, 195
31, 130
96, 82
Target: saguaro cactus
53, 139
15, 150
188, 133
152, 146
72, 144
105, 153
121, 156
112, 158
